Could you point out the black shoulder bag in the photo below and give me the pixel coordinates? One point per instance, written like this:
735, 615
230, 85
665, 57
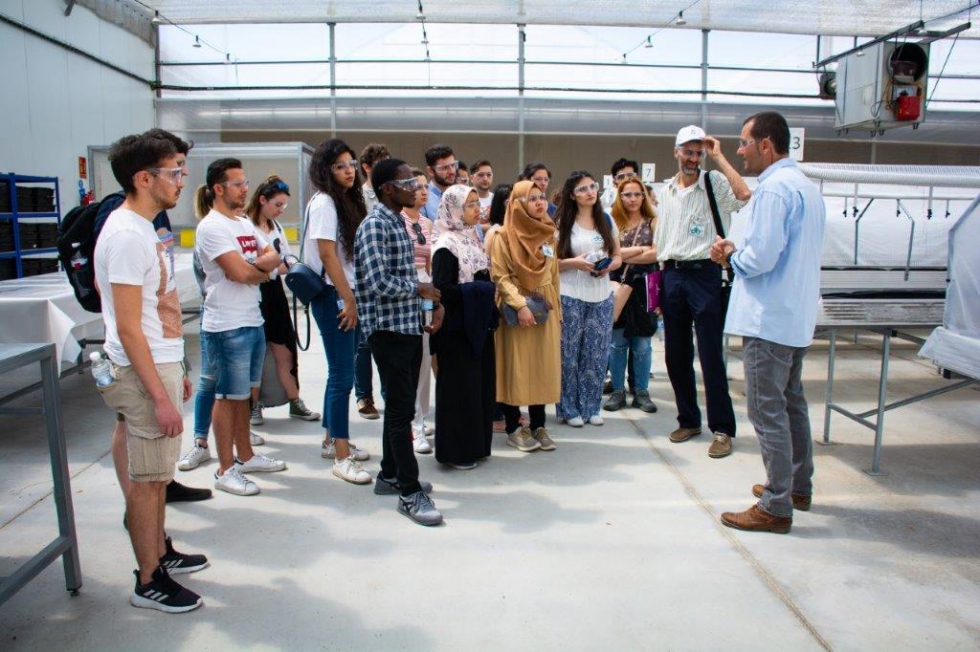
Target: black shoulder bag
729, 278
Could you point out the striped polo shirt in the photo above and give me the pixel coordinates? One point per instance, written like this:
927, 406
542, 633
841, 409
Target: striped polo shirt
685, 228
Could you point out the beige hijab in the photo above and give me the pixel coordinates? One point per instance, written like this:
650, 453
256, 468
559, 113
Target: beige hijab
523, 236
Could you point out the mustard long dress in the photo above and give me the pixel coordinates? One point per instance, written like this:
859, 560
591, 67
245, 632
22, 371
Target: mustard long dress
528, 357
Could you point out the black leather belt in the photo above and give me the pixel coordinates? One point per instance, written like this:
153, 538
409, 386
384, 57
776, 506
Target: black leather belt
687, 264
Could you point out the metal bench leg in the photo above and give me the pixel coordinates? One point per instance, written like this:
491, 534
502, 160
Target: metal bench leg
831, 356
880, 421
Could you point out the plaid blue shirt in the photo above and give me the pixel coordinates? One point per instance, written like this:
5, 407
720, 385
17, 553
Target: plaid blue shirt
386, 283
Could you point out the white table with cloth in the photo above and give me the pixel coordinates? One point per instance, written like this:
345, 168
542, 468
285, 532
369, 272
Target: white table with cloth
44, 309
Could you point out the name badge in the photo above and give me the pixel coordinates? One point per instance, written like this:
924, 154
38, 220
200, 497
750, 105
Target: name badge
696, 230
547, 250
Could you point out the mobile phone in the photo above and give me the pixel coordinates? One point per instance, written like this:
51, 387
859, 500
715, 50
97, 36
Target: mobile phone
602, 264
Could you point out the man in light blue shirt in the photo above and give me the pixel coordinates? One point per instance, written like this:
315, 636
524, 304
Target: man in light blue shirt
774, 309
441, 166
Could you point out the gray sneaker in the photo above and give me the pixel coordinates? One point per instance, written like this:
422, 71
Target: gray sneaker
522, 440
420, 508
642, 400
616, 401
389, 486
298, 410
544, 440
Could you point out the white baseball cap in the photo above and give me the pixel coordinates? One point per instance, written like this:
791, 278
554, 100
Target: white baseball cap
689, 133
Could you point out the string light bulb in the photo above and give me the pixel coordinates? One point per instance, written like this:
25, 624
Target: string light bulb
197, 41
649, 43
156, 18
680, 19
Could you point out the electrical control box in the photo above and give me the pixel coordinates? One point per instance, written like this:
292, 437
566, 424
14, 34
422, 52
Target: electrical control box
882, 87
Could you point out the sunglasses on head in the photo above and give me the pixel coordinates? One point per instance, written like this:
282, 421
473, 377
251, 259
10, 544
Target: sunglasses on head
419, 236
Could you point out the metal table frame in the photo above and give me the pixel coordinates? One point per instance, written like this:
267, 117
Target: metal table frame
878, 425
14, 356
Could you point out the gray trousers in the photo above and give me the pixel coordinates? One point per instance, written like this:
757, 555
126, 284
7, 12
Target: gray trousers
778, 412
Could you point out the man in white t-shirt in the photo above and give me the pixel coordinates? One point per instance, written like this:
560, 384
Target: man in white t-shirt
482, 178
236, 259
145, 345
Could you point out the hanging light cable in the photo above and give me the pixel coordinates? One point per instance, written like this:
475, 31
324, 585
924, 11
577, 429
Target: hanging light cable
675, 20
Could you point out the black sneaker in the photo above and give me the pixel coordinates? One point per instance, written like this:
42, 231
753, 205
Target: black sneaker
178, 493
163, 594
177, 563
389, 486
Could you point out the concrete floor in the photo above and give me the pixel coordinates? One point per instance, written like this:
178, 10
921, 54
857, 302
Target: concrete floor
612, 541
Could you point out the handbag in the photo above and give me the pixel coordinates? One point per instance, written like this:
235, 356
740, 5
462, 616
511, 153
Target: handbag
535, 303
729, 278
305, 284
652, 281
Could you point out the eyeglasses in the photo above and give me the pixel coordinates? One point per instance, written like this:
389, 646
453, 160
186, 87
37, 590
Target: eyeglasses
531, 198
483, 175
631, 195
419, 236
745, 143
472, 204
446, 167
623, 176
406, 184
173, 175
691, 153
586, 188
541, 179
242, 183
343, 165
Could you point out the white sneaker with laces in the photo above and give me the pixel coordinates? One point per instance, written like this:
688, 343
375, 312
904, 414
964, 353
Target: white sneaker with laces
351, 470
261, 464
234, 482
329, 451
255, 438
421, 444
596, 420
193, 458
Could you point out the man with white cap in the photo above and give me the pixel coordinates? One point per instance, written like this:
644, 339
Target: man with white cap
692, 283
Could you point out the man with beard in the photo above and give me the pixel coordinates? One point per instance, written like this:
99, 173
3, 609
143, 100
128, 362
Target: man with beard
236, 259
441, 166
692, 292
145, 345
482, 178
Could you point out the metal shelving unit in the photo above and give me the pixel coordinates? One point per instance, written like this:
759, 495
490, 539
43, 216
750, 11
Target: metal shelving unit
21, 212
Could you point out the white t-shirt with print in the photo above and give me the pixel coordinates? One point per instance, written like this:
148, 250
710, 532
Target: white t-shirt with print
227, 304
581, 285
129, 252
323, 225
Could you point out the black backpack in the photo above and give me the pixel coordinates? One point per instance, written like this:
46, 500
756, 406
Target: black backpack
77, 234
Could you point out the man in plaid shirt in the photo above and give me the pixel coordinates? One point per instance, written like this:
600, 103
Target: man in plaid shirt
389, 308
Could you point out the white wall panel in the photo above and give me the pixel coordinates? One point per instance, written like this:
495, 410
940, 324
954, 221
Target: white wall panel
55, 104
15, 145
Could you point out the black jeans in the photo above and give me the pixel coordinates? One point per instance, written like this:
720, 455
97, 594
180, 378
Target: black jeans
512, 416
398, 357
693, 297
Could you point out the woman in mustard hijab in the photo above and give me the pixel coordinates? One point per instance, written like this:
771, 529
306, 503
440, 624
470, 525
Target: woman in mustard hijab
528, 342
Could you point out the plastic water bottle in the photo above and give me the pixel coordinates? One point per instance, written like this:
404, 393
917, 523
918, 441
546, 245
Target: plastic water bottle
660, 327
428, 306
101, 370
340, 305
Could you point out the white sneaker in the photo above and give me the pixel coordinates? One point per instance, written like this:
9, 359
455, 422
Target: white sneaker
261, 464
421, 444
351, 470
255, 438
596, 420
234, 482
329, 451
255, 417
194, 458
575, 422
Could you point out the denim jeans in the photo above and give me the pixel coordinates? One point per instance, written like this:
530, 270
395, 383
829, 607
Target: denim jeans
778, 411
339, 346
236, 356
619, 350
204, 399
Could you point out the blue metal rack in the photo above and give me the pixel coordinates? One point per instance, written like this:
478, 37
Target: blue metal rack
15, 216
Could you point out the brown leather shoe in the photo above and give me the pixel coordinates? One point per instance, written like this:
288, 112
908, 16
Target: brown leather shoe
800, 501
756, 519
683, 434
721, 446
365, 407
